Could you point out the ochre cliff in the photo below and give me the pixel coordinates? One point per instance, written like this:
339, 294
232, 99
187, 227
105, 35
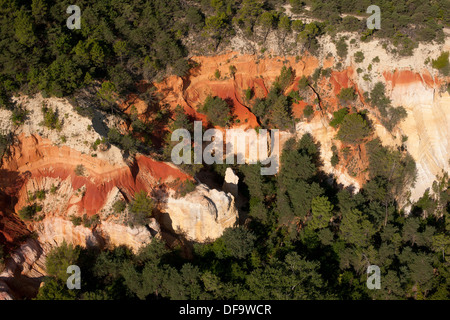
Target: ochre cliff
40, 160
427, 125
52, 169
36, 162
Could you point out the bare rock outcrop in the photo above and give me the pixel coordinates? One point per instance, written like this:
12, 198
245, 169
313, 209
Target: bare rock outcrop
201, 215
135, 238
231, 182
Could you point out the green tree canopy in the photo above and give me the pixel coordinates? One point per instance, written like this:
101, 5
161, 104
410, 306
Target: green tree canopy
59, 259
140, 209
353, 129
322, 212
217, 110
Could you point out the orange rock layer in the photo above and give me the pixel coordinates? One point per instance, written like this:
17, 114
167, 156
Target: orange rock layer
249, 72
36, 158
406, 77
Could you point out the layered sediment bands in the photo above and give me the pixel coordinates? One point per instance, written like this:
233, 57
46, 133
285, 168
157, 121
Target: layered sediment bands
48, 167
237, 73
259, 75
427, 125
35, 163
39, 160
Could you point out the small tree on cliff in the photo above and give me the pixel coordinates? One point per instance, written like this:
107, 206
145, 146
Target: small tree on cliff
442, 64
79, 170
347, 94
266, 21
27, 213
338, 117
285, 78
140, 209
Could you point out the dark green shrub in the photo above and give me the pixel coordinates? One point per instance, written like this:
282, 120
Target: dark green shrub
335, 156
27, 213
19, 115
359, 57
303, 83
342, 48
51, 120
80, 170
181, 67
140, 209
308, 111
285, 78
217, 74
217, 110
338, 117
53, 189
395, 116
232, 70
316, 74
248, 94
59, 259
295, 96
76, 220
40, 194
347, 94
379, 99
442, 63
353, 129
119, 206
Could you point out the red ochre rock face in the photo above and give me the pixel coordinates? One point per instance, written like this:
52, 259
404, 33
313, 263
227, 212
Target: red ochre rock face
36, 158
408, 77
249, 72
39, 158
12, 230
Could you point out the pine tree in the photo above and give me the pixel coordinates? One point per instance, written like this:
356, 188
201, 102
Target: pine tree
322, 212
